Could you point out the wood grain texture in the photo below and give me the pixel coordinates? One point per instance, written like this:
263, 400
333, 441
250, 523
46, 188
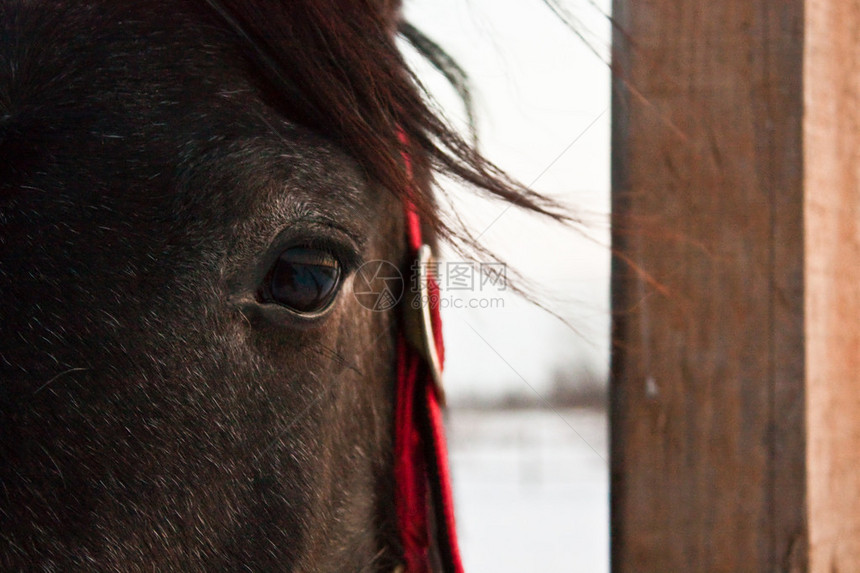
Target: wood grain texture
708, 402
832, 236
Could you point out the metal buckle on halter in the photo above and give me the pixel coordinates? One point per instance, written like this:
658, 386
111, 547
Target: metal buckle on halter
419, 327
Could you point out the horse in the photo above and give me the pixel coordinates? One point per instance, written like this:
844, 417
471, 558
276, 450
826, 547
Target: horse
187, 190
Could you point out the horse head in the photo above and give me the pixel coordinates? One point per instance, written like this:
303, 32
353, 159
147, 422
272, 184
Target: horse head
187, 190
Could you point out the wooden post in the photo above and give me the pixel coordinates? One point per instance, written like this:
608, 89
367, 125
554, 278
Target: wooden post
736, 287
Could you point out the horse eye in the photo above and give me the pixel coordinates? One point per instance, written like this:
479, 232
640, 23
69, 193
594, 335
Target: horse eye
305, 279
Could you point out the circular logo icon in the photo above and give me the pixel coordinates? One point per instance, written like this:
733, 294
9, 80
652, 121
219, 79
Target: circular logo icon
378, 285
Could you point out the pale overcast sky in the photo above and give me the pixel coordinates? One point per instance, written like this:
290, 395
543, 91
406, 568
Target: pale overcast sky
542, 97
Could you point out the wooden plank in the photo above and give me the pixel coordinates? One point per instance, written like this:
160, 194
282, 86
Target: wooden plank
832, 234
708, 396
736, 177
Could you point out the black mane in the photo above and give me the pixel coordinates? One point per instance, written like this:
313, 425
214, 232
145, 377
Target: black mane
335, 66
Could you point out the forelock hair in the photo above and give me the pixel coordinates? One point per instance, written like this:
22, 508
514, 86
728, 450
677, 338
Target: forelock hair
334, 66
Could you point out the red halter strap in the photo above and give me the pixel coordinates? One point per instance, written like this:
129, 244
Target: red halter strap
420, 453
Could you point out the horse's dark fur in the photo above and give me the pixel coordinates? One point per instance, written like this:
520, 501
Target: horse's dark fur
155, 158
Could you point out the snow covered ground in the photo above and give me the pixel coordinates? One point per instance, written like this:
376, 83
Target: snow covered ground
532, 490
